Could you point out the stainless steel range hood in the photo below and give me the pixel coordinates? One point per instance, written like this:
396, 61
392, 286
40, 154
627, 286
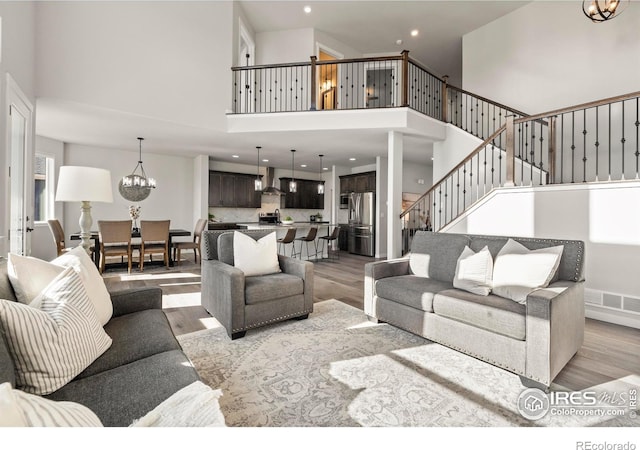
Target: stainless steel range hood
271, 188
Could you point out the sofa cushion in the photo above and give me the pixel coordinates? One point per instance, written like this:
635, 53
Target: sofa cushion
255, 256
474, 271
439, 252
134, 336
270, 287
6, 289
493, 313
126, 393
225, 243
411, 290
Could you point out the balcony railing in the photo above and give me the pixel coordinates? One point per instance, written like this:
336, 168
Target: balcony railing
347, 84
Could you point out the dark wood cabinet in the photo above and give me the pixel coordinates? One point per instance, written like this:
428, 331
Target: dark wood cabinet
359, 182
306, 197
233, 190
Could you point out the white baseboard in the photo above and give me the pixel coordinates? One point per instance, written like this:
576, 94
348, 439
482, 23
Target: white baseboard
612, 315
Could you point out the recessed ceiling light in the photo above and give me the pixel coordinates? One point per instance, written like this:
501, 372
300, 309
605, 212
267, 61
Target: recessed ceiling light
265, 160
235, 156
325, 168
307, 9
303, 165
414, 33
399, 42
352, 159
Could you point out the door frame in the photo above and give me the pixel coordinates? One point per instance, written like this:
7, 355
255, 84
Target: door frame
338, 56
16, 98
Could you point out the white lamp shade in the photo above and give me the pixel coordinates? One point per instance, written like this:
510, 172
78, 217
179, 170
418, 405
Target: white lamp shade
80, 184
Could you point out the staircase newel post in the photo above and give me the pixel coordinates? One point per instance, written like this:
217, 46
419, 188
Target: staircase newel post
510, 144
551, 176
405, 78
314, 84
445, 98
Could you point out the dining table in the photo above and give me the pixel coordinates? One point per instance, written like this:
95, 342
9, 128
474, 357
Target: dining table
135, 233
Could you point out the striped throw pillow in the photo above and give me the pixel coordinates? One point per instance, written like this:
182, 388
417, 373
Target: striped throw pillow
19, 409
56, 337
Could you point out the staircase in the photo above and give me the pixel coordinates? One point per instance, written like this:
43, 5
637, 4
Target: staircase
593, 142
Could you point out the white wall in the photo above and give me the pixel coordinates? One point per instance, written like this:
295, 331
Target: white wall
165, 60
17, 57
172, 199
382, 173
412, 172
448, 153
332, 43
601, 215
548, 55
286, 46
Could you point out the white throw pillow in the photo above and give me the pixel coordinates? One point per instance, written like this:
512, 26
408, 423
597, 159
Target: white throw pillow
54, 342
92, 280
20, 409
419, 264
255, 257
195, 405
519, 271
29, 276
474, 271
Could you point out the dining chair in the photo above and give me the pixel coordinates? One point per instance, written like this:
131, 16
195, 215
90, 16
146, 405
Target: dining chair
58, 237
154, 235
309, 237
195, 245
329, 240
287, 239
115, 240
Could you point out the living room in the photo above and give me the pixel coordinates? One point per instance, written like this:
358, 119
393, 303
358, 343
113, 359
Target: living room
141, 81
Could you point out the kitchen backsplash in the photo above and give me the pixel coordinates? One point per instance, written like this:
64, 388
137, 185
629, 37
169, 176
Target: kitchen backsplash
269, 205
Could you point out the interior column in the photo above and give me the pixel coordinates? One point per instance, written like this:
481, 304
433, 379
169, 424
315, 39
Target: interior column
394, 195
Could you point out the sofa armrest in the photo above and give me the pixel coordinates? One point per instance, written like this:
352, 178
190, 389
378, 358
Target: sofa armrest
377, 270
302, 269
555, 328
223, 294
133, 300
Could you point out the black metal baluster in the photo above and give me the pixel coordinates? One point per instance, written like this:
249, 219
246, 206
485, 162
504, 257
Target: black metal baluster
562, 148
573, 145
609, 141
623, 140
541, 138
637, 137
597, 144
584, 146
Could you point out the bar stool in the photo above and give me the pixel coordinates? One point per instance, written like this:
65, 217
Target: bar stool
287, 239
329, 239
310, 237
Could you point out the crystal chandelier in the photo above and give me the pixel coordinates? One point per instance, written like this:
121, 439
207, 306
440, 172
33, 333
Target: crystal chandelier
136, 187
602, 10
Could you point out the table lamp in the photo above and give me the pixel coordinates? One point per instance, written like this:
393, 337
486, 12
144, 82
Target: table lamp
85, 185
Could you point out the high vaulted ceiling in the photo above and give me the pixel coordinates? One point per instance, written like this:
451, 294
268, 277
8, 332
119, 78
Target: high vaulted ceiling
369, 27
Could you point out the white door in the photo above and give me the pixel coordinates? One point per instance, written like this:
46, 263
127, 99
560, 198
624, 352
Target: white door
20, 113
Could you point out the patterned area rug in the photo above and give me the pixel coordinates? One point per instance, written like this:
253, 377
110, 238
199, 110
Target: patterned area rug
338, 369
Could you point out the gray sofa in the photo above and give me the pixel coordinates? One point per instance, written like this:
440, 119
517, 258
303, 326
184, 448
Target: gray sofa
534, 340
144, 366
240, 303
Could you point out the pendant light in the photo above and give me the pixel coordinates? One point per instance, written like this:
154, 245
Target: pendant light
293, 186
136, 187
320, 183
258, 183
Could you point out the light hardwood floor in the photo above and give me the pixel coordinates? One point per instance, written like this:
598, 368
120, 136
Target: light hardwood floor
609, 352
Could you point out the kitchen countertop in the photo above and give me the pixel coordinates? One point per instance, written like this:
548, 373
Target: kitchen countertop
271, 226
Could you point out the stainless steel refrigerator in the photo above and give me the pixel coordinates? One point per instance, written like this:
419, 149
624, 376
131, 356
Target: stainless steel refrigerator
362, 219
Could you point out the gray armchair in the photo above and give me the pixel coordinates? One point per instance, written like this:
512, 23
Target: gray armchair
240, 303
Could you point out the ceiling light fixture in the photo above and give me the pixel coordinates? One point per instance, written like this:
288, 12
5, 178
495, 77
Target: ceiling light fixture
293, 186
136, 187
414, 33
235, 156
399, 42
320, 183
602, 10
303, 165
307, 9
352, 159
257, 185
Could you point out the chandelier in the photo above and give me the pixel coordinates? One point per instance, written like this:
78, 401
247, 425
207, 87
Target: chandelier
602, 10
136, 187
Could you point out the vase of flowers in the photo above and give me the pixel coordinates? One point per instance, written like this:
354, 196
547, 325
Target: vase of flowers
134, 213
